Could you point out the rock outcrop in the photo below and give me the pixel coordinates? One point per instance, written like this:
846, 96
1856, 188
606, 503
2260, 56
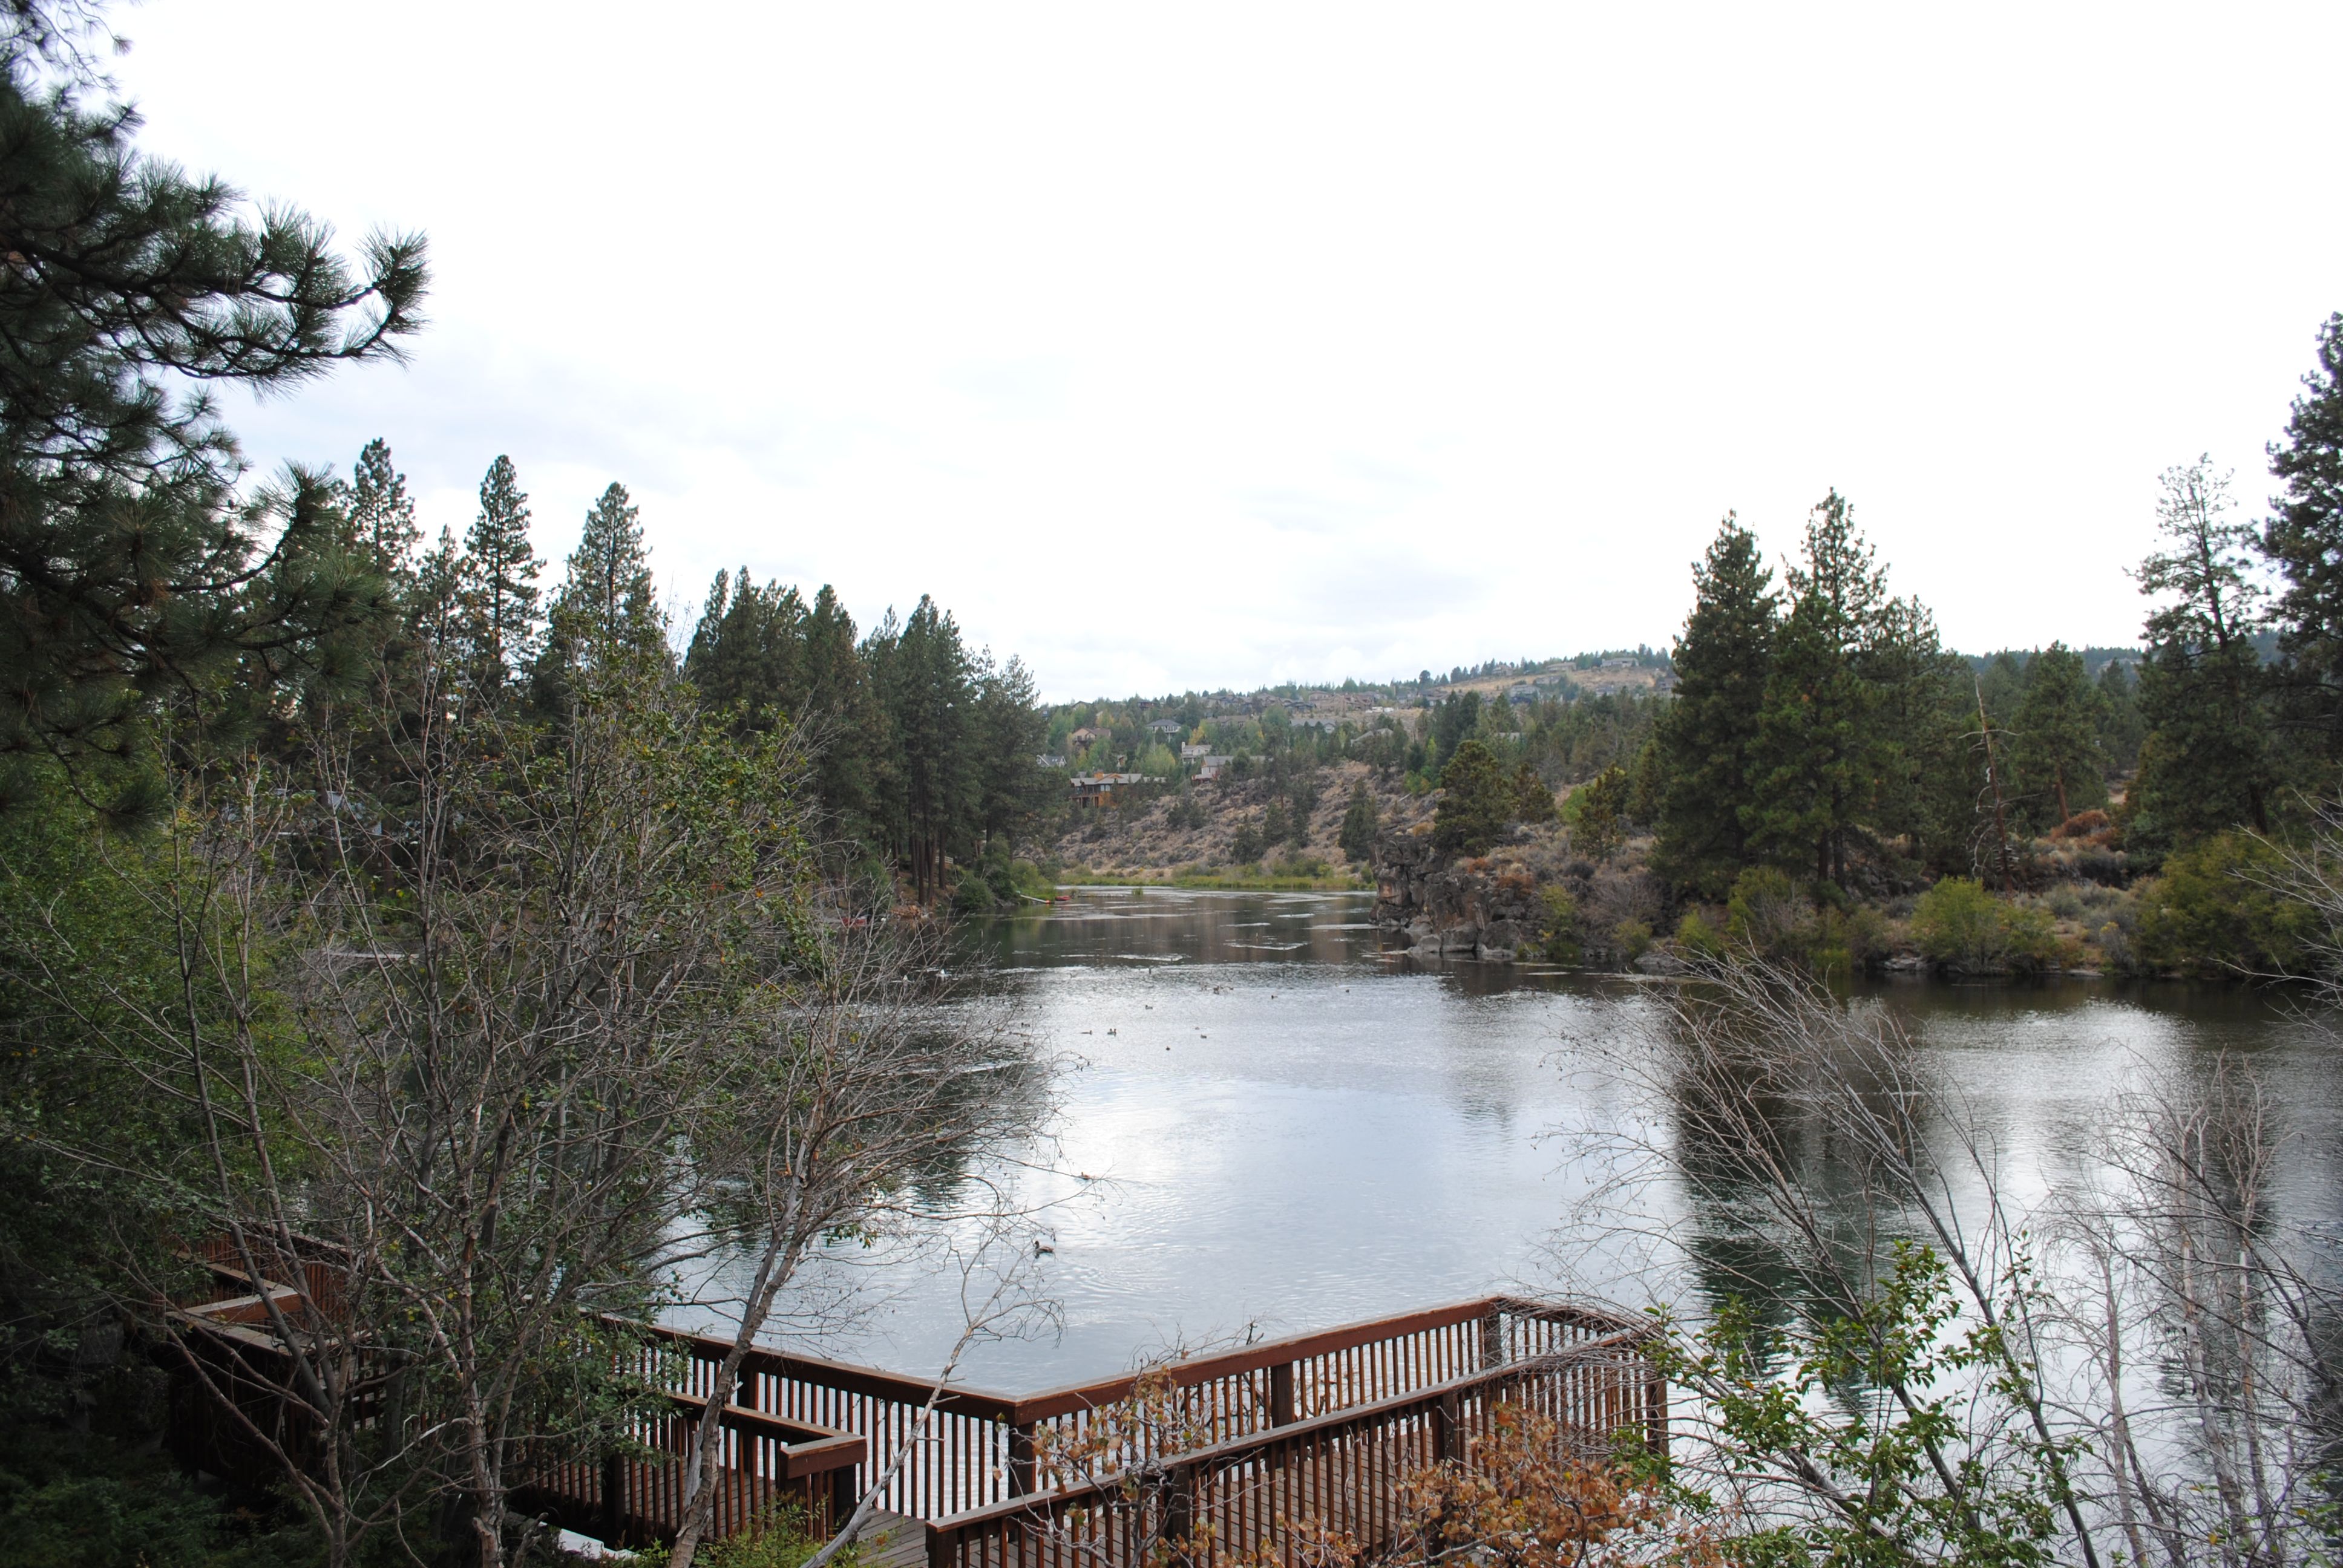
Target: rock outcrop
1453, 906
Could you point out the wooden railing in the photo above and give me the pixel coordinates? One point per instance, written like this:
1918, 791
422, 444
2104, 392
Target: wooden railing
1265, 1494
241, 1378
1322, 1422
981, 1448
636, 1496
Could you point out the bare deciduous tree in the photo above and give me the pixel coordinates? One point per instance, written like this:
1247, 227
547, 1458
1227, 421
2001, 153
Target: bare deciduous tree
1900, 1359
862, 1100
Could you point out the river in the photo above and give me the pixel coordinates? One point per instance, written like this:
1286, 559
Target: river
1263, 1123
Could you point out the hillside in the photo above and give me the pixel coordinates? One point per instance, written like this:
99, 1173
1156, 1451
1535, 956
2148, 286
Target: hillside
1156, 840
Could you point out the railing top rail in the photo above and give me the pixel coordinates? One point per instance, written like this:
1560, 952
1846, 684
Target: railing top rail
1252, 1358
795, 1433
1236, 1450
957, 1399
1017, 1410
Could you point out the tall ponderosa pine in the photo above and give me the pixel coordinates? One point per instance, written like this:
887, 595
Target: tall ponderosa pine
2054, 752
2305, 539
1010, 730
854, 735
928, 692
1817, 753
1921, 793
2205, 765
607, 610
2121, 729
380, 513
761, 652
128, 564
1707, 735
496, 579
748, 652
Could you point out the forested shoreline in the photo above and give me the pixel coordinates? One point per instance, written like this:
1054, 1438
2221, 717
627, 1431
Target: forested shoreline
424, 963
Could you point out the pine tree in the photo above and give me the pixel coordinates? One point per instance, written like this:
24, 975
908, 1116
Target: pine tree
1358, 835
2205, 764
930, 699
748, 654
1532, 801
2305, 539
2056, 754
497, 580
129, 563
1599, 814
381, 513
1922, 792
607, 610
854, 742
1708, 733
2116, 705
1476, 800
1817, 755
1010, 730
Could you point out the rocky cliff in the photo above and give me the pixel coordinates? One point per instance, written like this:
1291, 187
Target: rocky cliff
1484, 906
1508, 903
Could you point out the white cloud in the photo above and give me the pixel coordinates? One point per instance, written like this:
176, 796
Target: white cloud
1223, 344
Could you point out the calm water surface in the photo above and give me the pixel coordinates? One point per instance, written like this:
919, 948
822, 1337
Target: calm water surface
1284, 1127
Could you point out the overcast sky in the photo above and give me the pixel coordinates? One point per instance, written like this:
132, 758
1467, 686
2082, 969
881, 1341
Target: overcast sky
1191, 345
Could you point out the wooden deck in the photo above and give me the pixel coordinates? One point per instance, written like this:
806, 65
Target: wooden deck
1227, 1454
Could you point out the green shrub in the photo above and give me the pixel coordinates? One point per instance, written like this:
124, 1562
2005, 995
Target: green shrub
1845, 941
2030, 937
1558, 931
2209, 913
1766, 915
1633, 937
1959, 924
1699, 939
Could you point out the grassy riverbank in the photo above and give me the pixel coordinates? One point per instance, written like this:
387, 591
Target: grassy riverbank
1239, 881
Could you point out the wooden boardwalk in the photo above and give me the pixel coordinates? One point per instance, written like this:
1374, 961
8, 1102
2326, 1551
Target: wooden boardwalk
1228, 1454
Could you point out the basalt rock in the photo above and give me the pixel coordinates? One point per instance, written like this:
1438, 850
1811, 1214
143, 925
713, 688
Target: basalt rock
1452, 906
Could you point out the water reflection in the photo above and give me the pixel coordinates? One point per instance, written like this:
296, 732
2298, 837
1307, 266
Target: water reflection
1284, 1125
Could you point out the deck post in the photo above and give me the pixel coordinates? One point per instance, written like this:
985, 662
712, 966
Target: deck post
1021, 1460
1493, 1340
1448, 1428
614, 1503
1655, 1410
1281, 1394
845, 1493
1179, 1507
943, 1548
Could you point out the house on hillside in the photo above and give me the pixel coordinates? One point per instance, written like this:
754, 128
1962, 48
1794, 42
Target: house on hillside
1628, 662
1192, 749
1521, 695
1098, 789
1049, 759
1210, 767
1084, 736
1168, 726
